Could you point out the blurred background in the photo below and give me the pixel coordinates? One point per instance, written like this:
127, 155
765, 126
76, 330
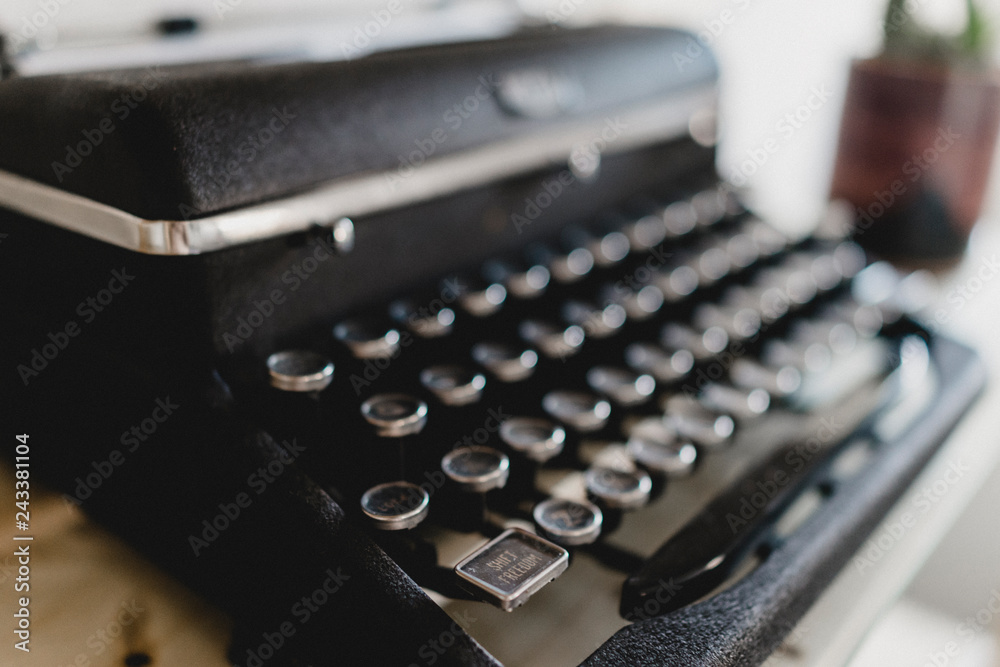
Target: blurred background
775, 56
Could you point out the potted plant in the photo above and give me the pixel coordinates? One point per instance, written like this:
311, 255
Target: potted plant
917, 137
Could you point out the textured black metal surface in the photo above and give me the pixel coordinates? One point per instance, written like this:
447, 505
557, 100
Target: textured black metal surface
744, 624
177, 142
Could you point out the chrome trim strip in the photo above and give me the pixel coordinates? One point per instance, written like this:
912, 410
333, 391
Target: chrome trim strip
355, 195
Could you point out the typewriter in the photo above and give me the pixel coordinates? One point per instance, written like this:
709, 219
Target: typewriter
458, 354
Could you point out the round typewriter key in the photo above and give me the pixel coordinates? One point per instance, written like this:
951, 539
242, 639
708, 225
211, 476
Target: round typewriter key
679, 282
709, 207
595, 321
508, 363
453, 385
299, 370
572, 266
420, 320
646, 232
622, 386
680, 218
367, 339
524, 284
611, 249
555, 341
692, 420
742, 403
778, 381
395, 415
619, 489
662, 365
538, 439
476, 469
568, 522
713, 265
742, 250
659, 449
482, 299
395, 505
584, 412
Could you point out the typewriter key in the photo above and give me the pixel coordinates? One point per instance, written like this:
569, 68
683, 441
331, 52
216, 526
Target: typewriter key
709, 207
421, 320
395, 415
679, 218
646, 232
610, 249
572, 266
713, 264
453, 385
659, 449
807, 357
662, 365
568, 522
512, 567
702, 344
476, 469
555, 341
524, 284
584, 412
677, 282
742, 251
596, 322
508, 363
694, 421
395, 505
619, 489
299, 370
769, 241
639, 304
367, 339
777, 381
738, 323
740, 403
481, 298
537, 439
622, 386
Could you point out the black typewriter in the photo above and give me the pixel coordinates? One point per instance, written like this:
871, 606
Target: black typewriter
453, 355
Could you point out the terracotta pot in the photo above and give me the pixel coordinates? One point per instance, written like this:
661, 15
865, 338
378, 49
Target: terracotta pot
914, 155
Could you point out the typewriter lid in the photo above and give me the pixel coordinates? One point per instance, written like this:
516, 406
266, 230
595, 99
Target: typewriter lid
186, 159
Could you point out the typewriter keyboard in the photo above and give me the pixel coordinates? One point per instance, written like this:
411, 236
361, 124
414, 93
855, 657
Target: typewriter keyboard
548, 419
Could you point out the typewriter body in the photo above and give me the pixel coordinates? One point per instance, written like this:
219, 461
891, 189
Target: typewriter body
456, 355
